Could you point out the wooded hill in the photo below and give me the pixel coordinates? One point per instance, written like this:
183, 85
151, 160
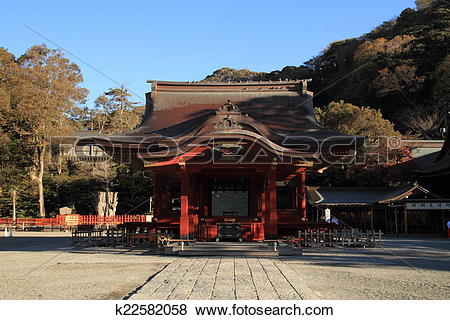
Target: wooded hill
401, 68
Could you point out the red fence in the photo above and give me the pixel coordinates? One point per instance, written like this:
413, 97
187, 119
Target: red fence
73, 220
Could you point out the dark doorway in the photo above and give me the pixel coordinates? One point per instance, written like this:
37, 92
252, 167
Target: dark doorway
229, 197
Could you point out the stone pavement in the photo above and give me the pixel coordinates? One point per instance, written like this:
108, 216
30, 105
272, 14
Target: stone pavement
229, 278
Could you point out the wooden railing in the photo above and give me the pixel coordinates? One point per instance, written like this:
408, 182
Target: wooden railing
349, 237
71, 220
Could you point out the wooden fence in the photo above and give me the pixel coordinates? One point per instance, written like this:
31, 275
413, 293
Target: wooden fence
100, 237
350, 237
117, 237
71, 220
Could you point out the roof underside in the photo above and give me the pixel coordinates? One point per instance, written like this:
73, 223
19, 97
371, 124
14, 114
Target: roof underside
359, 196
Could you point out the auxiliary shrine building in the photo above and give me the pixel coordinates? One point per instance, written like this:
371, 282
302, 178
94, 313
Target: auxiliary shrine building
230, 160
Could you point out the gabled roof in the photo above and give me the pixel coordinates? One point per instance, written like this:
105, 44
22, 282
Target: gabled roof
441, 165
363, 196
277, 115
284, 106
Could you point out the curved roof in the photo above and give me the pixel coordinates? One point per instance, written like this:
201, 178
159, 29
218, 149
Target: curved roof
441, 165
284, 106
279, 115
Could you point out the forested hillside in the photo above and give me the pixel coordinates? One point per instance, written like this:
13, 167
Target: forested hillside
401, 68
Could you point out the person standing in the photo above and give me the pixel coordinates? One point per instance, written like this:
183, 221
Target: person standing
448, 229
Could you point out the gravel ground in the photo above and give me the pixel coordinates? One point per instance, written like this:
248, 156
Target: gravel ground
401, 269
41, 265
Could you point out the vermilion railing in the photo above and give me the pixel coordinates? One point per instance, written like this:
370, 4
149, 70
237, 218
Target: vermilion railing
73, 220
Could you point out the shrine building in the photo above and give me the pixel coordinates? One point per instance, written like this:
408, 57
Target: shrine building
230, 159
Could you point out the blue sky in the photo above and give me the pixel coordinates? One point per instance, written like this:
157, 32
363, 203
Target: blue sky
133, 41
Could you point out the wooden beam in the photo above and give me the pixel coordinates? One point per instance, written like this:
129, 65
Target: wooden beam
179, 159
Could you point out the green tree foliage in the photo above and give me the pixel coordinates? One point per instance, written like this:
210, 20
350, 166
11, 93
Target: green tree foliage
422, 4
42, 92
134, 190
350, 119
369, 170
229, 74
121, 109
113, 112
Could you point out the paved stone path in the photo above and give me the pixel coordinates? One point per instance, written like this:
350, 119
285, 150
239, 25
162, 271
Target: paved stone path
228, 278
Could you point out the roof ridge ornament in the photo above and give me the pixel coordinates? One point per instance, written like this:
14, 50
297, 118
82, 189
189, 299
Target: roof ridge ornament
228, 108
226, 114
227, 123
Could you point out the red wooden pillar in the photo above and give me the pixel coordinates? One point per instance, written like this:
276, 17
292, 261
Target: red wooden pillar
184, 214
300, 194
157, 194
271, 217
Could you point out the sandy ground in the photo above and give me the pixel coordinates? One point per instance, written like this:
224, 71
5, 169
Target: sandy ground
42, 265
401, 269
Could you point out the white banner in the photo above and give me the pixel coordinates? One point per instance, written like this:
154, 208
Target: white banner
314, 309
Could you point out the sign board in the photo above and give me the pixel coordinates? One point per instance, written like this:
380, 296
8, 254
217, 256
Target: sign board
71, 219
65, 210
428, 206
327, 215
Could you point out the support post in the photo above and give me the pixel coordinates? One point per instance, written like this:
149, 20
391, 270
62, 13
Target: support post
271, 221
396, 221
157, 194
405, 212
184, 212
300, 194
14, 195
371, 218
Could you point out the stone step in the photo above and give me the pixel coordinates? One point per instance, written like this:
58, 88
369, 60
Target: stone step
232, 248
240, 253
227, 249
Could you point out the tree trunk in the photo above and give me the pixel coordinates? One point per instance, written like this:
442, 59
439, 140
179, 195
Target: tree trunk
37, 176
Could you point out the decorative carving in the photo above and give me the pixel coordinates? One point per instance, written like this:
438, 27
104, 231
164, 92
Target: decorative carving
228, 108
226, 114
227, 123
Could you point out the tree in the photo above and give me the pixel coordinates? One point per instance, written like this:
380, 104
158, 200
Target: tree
121, 110
441, 89
401, 79
230, 74
44, 92
99, 115
383, 48
350, 119
422, 4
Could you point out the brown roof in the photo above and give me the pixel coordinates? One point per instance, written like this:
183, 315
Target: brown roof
441, 166
279, 115
283, 106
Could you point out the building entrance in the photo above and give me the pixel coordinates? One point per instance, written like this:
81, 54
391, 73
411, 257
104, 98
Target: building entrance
229, 197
